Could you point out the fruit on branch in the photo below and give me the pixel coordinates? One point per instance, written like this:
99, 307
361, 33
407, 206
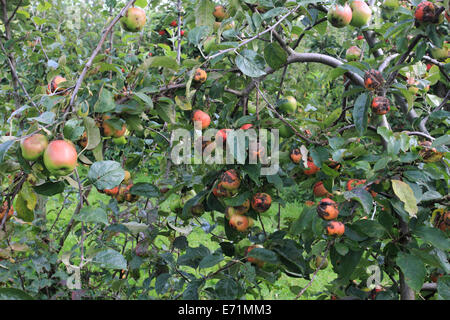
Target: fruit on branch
428, 12
441, 53
333, 164
353, 183
261, 202
173, 23
182, 32
339, 16
230, 180
53, 88
318, 260
391, 4
220, 191
285, 131
200, 75
198, 209
296, 155
428, 153
83, 140
242, 209
219, 13
202, 117
287, 104
360, 37
60, 157
335, 228
255, 261
373, 79
353, 53
112, 192
161, 32
381, 105
134, 20
127, 177
33, 147
311, 169
110, 131
361, 13
3, 210
319, 190
327, 209
222, 133
246, 126
240, 222
121, 141
441, 219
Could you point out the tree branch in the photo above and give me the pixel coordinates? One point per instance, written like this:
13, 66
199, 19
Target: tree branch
97, 50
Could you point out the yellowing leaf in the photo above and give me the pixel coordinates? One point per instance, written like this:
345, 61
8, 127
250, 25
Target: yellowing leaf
404, 192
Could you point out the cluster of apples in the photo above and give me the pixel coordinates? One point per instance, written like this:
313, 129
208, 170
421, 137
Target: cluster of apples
327, 209
122, 192
227, 187
60, 156
357, 14
311, 167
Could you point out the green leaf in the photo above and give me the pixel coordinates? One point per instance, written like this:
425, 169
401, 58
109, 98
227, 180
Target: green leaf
264, 255
238, 200
4, 147
92, 132
161, 61
362, 196
203, 13
404, 192
434, 236
106, 174
275, 55
443, 287
441, 141
196, 35
105, 102
211, 260
14, 294
145, 190
250, 63
161, 283
413, 269
110, 259
50, 188
227, 289
360, 111
193, 256
92, 215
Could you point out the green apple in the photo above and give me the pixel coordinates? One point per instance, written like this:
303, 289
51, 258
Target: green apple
134, 20
60, 157
287, 104
361, 13
33, 147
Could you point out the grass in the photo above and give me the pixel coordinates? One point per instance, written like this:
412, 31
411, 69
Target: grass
285, 288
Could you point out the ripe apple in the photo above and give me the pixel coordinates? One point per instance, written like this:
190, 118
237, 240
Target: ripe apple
339, 16
33, 147
109, 131
288, 104
53, 88
203, 117
240, 222
200, 75
353, 53
60, 157
361, 13
174, 23
327, 209
134, 20
219, 13
335, 228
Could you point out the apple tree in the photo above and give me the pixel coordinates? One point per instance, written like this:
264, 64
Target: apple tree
95, 204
